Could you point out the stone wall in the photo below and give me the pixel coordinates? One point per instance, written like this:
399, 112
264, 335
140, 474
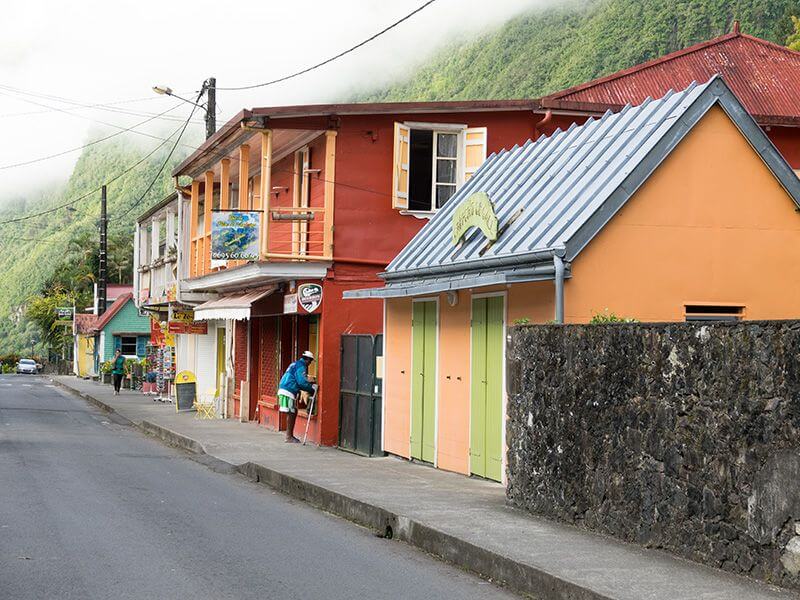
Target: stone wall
678, 436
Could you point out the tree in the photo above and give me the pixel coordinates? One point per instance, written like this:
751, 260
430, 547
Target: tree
793, 41
41, 311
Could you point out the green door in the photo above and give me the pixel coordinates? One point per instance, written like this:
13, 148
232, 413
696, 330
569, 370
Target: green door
423, 381
486, 417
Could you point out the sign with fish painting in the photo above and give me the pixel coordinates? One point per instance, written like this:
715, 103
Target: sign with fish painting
235, 235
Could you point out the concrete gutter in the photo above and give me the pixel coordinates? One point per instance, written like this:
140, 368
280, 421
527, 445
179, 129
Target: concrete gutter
501, 567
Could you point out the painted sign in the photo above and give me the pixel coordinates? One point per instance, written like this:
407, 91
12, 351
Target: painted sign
475, 211
235, 235
289, 304
181, 320
65, 314
309, 296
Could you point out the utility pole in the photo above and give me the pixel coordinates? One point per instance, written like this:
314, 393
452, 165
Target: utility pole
211, 106
102, 279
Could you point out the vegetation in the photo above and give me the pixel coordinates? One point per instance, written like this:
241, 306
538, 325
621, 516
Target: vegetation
547, 50
606, 317
44, 258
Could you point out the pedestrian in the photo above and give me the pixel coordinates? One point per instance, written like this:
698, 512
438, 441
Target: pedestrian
118, 370
294, 381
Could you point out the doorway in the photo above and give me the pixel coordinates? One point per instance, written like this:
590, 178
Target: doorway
486, 404
220, 360
423, 380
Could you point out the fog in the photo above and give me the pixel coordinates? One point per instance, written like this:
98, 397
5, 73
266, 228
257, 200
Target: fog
56, 56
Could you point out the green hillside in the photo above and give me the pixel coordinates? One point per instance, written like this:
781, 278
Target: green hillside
41, 255
544, 51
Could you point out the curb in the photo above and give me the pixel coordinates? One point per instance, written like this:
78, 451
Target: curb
500, 569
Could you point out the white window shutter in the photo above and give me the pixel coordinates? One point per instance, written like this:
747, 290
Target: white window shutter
402, 135
474, 150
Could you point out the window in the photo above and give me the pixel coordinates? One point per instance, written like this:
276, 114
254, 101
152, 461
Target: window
714, 312
201, 217
234, 198
431, 161
128, 345
162, 238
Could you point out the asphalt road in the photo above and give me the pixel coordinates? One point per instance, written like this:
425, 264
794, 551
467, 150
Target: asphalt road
91, 508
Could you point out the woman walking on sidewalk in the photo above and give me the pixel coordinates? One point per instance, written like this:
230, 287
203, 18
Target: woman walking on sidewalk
118, 370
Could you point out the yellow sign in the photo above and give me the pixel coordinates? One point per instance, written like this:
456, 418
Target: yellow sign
185, 377
475, 211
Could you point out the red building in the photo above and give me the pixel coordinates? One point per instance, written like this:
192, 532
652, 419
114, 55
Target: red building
342, 189
763, 75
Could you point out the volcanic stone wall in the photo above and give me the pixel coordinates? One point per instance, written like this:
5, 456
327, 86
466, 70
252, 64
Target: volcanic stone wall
678, 436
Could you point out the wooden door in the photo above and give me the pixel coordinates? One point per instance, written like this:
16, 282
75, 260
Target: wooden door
486, 416
423, 381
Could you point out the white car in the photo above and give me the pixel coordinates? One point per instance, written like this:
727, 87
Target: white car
26, 365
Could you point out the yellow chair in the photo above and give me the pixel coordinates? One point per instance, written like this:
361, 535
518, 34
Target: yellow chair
206, 408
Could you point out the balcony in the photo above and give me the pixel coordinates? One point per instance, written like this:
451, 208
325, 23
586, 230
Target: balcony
295, 199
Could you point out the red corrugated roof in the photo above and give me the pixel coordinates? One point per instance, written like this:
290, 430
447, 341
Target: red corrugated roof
85, 323
112, 310
765, 77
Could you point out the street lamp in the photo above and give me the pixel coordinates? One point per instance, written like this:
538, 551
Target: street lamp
209, 88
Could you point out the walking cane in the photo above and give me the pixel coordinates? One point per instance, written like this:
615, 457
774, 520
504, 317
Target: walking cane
310, 410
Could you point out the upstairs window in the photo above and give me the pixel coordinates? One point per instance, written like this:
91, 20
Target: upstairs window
714, 312
431, 161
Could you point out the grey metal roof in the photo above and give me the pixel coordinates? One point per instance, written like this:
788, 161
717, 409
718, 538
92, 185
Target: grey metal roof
554, 195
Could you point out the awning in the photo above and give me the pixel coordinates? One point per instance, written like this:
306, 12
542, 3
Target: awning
233, 306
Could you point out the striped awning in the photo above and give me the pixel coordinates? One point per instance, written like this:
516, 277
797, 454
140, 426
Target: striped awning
235, 307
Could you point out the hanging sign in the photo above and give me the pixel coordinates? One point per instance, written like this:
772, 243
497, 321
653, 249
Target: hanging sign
475, 211
65, 314
235, 235
181, 320
309, 296
289, 304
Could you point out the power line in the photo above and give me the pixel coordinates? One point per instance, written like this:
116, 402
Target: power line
332, 58
100, 105
98, 188
92, 143
164, 164
107, 124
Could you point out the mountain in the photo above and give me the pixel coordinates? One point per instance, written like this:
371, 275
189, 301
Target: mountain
543, 51
58, 250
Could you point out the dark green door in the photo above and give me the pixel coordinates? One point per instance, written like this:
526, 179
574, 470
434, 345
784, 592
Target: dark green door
486, 415
423, 381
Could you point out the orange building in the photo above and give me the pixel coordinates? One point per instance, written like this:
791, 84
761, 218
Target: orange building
676, 209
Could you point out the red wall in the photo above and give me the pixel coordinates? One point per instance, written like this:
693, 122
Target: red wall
787, 140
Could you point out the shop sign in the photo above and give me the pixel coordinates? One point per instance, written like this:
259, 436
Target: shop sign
65, 314
309, 296
235, 235
181, 320
172, 293
289, 304
475, 211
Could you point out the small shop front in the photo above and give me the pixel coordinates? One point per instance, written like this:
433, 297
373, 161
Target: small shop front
283, 326
625, 217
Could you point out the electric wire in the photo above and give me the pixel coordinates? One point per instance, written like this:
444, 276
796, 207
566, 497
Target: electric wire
332, 58
95, 190
163, 165
99, 105
88, 144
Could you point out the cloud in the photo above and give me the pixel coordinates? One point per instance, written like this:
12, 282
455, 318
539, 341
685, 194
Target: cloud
99, 51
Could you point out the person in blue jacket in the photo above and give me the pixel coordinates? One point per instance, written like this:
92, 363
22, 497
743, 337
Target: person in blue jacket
294, 381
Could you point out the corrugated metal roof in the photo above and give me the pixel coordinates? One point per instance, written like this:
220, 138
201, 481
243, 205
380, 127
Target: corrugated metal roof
764, 76
552, 196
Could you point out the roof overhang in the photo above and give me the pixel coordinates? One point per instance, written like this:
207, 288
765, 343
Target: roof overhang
235, 307
463, 281
256, 274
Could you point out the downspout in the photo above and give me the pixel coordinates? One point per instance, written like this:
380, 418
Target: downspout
558, 262
548, 116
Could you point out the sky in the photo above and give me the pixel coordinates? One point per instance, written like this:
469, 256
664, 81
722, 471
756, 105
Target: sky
56, 56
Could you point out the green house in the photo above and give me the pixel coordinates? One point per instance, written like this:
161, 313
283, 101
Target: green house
121, 326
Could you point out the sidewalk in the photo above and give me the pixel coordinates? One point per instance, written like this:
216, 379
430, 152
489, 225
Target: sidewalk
464, 521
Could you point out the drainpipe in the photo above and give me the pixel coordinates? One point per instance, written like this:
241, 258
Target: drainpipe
558, 262
548, 116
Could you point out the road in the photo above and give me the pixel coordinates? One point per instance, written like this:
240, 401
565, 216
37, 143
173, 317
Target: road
91, 508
